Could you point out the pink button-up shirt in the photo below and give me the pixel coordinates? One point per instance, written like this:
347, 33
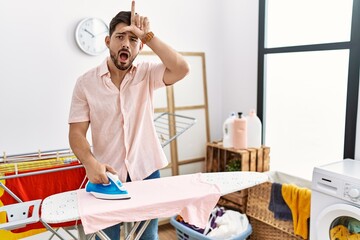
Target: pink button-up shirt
121, 121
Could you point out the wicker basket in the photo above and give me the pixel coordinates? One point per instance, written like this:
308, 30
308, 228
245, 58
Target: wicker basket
264, 231
265, 226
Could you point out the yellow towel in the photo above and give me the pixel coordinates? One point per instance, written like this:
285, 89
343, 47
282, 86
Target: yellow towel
298, 200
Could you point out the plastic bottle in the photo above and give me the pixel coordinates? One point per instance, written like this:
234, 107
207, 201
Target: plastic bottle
254, 128
240, 132
228, 129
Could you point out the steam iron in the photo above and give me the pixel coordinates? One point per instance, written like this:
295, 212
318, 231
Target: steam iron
113, 190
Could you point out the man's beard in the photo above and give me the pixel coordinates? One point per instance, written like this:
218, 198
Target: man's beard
119, 66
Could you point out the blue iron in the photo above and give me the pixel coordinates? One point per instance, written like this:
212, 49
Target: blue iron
112, 190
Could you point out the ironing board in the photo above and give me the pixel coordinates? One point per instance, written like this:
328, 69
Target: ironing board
64, 207
168, 127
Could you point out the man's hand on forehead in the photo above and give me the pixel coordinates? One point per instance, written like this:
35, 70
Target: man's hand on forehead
139, 25
140, 22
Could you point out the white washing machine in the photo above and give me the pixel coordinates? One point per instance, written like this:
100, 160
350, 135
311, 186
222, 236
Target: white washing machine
335, 201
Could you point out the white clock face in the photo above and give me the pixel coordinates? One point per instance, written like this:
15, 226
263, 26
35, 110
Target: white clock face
90, 35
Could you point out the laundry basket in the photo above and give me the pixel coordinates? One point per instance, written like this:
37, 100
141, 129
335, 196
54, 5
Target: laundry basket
185, 233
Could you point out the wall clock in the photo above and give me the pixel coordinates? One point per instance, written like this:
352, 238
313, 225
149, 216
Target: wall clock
90, 35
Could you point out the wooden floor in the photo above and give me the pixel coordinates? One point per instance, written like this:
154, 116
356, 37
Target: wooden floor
167, 232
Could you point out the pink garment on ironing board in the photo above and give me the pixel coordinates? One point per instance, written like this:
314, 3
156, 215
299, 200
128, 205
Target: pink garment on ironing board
185, 195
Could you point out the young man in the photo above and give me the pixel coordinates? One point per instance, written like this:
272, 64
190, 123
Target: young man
116, 100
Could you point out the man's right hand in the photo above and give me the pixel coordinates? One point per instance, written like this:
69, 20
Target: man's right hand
96, 172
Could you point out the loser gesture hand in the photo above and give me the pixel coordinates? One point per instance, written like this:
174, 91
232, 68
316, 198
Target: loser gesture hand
140, 25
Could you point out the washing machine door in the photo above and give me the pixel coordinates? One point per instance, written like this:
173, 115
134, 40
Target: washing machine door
338, 221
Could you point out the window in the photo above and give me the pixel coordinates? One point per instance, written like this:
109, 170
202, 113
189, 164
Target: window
308, 82
294, 23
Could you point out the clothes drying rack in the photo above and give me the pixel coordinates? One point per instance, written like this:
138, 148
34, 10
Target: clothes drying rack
168, 127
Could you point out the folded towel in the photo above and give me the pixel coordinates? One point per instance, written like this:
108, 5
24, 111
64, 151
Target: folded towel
298, 199
277, 204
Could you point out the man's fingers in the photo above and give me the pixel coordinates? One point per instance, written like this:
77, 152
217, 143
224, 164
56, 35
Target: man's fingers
137, 20
100, 179
145, 24
133, 12
105, 178
142, 22
111, 169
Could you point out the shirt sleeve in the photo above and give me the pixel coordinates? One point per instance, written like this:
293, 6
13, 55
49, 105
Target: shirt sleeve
157, 73
79, 110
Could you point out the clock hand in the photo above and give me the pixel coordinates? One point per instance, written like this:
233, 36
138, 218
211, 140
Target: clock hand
92, 35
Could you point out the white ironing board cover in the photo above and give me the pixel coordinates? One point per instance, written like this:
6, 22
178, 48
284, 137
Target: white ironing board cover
60, 207
64, 207
229, 182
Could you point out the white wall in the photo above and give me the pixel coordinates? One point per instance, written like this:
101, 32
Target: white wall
41, 61
240, 59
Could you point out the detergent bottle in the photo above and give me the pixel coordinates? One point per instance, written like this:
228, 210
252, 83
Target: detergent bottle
240, 132
228, 130
254, 128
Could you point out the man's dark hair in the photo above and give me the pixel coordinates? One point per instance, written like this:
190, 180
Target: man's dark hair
121, 17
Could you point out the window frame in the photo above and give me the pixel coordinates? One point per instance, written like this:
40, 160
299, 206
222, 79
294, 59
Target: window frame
353, 72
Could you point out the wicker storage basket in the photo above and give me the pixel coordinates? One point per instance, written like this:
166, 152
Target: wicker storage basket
264, 231
265, 226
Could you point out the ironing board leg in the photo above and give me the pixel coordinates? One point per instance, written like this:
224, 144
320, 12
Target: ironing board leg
81, 232
52, 230
82, 236
67, 230
127, 227
89, 237
132, 232
140, 232
102, 235
142, 229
